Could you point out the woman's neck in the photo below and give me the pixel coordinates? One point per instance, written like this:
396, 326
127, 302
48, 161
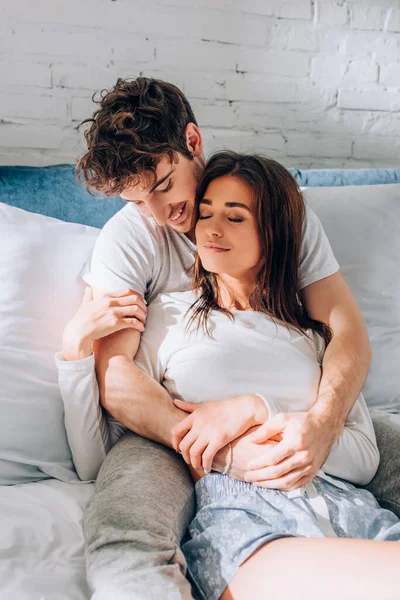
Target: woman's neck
234, 292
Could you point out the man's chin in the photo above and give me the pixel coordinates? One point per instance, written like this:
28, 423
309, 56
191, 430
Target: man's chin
185, 227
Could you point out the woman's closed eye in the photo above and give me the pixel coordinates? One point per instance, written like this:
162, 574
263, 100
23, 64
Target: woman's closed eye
233, 220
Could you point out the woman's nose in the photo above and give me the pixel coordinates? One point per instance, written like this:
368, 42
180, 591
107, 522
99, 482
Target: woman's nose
214, 230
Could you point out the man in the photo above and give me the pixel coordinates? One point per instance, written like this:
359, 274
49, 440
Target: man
144, 144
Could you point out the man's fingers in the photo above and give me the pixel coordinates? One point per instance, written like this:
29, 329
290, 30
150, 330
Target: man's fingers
291, 481
269, 429
274, 472
271, 455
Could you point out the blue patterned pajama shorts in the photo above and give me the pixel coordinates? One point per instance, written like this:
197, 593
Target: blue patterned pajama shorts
235, 518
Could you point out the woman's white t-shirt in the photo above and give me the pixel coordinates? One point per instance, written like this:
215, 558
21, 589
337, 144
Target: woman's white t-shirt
251, 354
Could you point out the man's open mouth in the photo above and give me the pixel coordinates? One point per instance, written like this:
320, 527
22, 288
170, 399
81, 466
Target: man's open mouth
179, 215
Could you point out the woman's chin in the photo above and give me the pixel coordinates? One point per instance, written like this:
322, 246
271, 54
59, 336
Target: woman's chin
214, 269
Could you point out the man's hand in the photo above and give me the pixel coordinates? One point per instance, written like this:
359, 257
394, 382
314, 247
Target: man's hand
305, 443
212, 425
244, 451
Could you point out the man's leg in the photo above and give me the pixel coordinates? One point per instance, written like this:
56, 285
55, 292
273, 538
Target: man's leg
143, 502
385, 486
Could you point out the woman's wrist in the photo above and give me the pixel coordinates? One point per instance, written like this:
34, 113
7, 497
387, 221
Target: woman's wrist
76, 346
259, 409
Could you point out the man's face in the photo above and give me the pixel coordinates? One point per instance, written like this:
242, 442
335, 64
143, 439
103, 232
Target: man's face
170, 201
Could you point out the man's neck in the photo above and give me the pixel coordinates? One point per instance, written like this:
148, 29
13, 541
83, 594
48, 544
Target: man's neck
191, 236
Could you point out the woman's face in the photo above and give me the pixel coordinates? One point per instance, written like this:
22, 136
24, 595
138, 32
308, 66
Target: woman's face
226, 232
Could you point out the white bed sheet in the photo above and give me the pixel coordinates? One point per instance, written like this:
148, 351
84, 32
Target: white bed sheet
41, 541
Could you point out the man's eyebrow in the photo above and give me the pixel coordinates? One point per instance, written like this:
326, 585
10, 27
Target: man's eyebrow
229, 204
160, 181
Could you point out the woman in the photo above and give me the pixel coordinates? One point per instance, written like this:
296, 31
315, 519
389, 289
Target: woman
243, 332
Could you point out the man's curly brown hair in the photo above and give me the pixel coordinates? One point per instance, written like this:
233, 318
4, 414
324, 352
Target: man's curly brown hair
137, 123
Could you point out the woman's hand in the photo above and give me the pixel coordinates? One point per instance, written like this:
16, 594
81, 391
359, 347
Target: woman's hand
212, 425
103, 316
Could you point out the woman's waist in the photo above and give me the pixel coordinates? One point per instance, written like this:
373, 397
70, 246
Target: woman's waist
215, 486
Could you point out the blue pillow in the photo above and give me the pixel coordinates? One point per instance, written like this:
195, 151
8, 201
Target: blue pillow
53, 191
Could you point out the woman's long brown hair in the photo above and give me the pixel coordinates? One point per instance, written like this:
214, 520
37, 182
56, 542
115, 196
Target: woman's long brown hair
280, 212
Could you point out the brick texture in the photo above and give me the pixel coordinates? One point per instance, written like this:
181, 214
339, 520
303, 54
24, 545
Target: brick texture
313, 83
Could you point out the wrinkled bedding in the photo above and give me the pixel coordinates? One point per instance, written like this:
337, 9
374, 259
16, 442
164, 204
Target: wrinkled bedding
41, 541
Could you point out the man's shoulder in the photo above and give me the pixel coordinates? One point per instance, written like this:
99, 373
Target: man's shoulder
130, 221
179, 301
129, 231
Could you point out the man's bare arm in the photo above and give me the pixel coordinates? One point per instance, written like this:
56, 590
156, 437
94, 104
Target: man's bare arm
129, 394
143, 405
348, 356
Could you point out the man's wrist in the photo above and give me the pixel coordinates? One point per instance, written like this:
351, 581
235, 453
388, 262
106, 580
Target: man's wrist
326, 419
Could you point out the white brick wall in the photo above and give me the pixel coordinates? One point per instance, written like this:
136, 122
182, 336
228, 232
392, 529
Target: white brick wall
314, 83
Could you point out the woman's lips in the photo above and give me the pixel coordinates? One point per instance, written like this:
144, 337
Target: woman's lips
216, 249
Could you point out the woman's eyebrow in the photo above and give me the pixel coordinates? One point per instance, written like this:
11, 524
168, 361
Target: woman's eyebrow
228, 204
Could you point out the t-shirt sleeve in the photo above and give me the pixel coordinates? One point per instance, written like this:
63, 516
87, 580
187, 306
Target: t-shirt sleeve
123, 255
316, 256
152, 354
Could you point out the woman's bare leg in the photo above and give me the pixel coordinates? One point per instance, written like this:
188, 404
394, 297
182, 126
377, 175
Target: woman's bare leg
328, 568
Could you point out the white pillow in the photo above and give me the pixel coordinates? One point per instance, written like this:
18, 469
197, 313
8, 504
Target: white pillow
363, 227
40, 262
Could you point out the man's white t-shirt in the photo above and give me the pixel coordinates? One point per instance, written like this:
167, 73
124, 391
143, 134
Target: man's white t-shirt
133, 251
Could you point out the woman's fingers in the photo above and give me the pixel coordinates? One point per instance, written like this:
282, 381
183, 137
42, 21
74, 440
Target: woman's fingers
179, 431
87, 295
132, 323
131, 311
196, 453
131, 299
122, 292
208, 457
186, 444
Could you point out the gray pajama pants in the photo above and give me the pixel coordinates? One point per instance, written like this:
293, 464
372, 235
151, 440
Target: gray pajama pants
142, 505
